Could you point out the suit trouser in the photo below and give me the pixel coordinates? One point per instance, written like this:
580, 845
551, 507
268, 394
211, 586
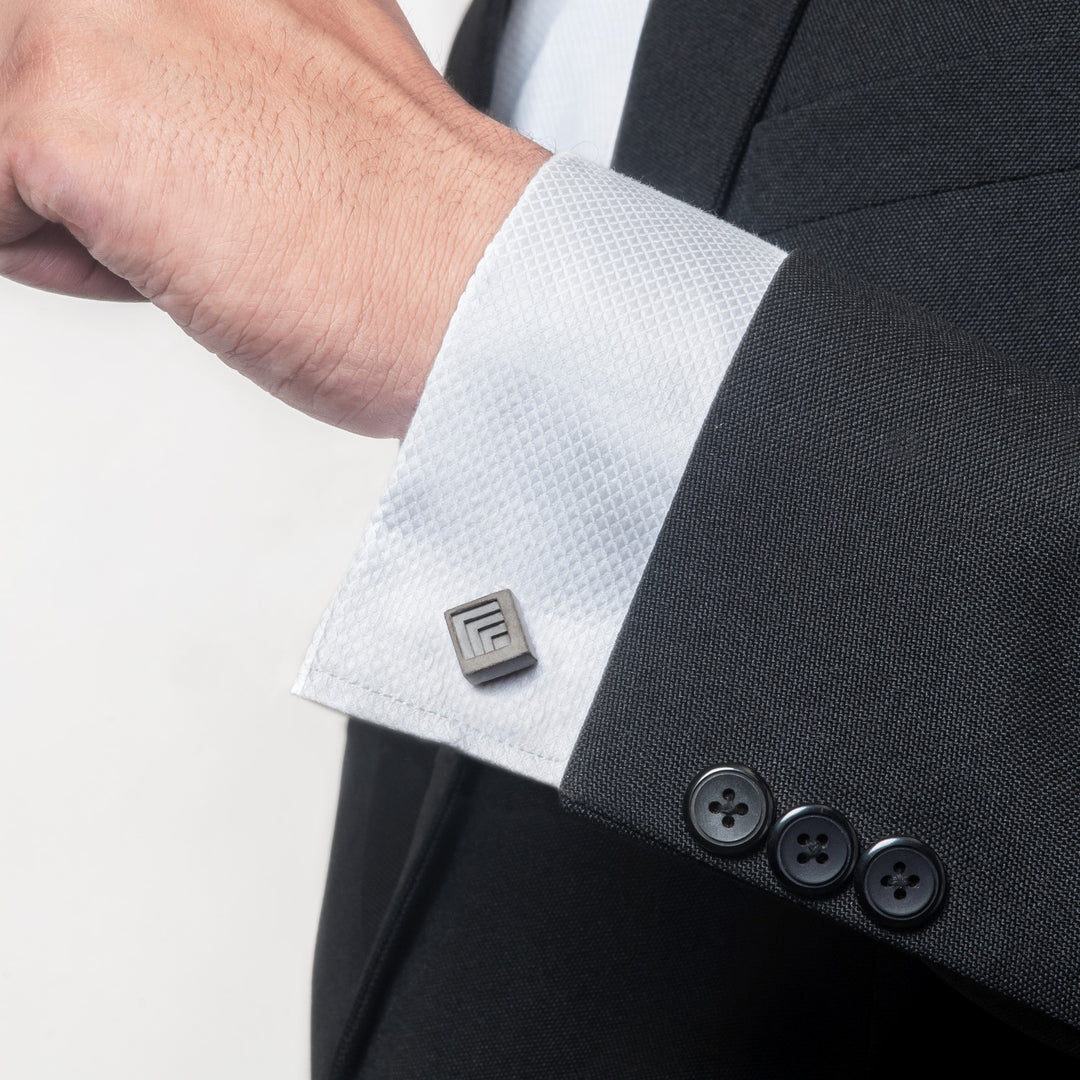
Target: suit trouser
473, 928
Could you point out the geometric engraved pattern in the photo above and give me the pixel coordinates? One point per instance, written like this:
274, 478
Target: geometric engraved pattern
481, 629
489, 637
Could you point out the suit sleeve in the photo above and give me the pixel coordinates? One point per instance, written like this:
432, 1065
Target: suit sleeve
758, 515
867, 593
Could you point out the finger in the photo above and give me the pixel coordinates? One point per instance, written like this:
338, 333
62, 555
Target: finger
52, 259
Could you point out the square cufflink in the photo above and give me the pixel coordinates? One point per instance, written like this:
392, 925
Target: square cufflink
489, 637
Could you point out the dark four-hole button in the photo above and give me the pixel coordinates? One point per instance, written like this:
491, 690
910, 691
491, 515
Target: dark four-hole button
813, 850
901, 883
729, 808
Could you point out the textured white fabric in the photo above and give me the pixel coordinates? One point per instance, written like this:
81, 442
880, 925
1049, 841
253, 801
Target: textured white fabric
563, 70
544, 455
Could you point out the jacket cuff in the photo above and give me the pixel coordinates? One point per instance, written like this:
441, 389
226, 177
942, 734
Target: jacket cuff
865, 597
543, 457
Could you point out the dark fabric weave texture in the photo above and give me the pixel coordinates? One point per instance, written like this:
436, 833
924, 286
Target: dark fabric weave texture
546, 946
868, 584
931, 148
699, 83
867, 589
928, 146
383, 784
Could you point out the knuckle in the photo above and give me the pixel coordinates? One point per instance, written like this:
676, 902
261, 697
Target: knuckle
52, 127
34, 159
58, 58
30, 136
38, 53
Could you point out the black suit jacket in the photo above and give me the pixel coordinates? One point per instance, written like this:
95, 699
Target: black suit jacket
868, 586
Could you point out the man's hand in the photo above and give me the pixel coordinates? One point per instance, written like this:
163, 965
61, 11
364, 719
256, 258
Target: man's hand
290, 180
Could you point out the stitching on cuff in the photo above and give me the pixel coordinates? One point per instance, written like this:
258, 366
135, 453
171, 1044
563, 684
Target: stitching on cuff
456, 721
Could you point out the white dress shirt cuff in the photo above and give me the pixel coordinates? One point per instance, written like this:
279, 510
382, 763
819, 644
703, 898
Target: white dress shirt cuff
548, 443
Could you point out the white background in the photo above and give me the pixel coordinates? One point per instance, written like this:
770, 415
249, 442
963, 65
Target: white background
169, 538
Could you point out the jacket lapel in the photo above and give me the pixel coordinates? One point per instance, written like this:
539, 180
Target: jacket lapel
702, 75
701, 78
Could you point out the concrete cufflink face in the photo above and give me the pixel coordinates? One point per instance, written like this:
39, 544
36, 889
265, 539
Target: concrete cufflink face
489, 637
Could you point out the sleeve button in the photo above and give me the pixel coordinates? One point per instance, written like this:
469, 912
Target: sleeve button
813, 850
729, 809
901, 883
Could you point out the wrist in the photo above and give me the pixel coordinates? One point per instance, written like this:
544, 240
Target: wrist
472, 186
